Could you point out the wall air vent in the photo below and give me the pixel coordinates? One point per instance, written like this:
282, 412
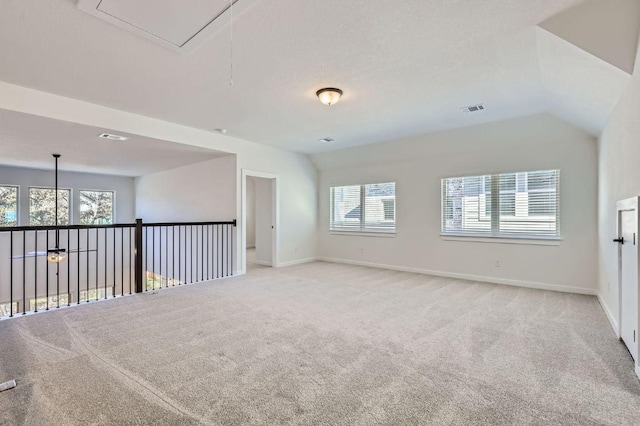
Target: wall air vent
177, 25
473, 108
112, 137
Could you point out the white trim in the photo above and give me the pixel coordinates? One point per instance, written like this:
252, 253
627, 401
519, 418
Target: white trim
296, 262
532, 241
262, 262
638, 371
364, 233
609, 315
492, 280
275, 243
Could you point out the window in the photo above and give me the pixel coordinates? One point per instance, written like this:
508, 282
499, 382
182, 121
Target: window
364, 208
42, 204
507, 204
96, 207
8, 205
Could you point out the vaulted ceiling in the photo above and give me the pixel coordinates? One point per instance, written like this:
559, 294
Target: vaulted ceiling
406, 67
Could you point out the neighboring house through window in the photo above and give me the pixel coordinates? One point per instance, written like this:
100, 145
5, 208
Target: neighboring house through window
363, 208
507, 204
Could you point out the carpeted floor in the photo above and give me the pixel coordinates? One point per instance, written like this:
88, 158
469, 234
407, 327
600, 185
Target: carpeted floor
321, 344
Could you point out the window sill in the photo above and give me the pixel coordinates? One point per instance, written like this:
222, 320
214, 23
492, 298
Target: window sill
383, 234
532, 241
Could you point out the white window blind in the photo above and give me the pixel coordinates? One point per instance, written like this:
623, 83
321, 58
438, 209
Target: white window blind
364, 208
507, 204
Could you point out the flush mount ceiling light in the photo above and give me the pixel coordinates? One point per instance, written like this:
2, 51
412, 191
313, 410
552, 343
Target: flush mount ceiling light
329, 95
327, 140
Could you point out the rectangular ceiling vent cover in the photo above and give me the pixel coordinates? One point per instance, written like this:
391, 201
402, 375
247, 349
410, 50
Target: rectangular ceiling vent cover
177, 25
473, 108
112, 137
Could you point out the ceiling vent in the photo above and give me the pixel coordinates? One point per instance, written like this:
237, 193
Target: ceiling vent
112, 137
473, 108
327, 140
158, 20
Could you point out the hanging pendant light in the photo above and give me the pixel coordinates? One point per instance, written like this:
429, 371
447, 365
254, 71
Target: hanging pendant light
56, 255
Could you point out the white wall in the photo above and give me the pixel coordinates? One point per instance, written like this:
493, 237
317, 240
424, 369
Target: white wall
123, 187
296, 174
619, 178
203, 191
251, 212
417, 165
264, 220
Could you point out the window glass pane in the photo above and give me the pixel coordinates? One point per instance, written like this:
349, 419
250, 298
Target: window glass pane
345, 206
466, 204
42, 206
96, 207
379, 212
8, 205
528, 203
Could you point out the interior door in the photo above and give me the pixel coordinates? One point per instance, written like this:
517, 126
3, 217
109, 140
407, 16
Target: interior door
628, 280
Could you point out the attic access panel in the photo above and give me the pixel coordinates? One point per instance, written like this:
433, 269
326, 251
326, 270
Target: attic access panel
177, 25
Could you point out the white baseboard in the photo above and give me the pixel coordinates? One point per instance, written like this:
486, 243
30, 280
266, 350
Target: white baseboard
492, 280
638, 371
609, 315
297, 262
262, 262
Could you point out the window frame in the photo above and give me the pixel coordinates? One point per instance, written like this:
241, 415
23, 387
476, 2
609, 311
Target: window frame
363, 229
113, 204
495, 235
17, 187
70, 208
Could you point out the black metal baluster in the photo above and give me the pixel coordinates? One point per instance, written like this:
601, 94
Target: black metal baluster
146, 257
78, 248
197, 253
113, 285
229, 236
68, 268
179, 255
232, 249
121, 261
86, 299
166, 256
35, 269
153, 255
130, 268
47, 278
160, 253
24, 276
106, 263
206, 256
97, 263
202, 253
11, 276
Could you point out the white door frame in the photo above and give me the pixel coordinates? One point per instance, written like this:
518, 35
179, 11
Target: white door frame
275, 202
629, 204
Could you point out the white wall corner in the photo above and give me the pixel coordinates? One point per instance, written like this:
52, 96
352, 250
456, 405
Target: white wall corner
609, 315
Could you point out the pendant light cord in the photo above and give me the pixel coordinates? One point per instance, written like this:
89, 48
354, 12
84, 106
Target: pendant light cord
231, 45
56, 156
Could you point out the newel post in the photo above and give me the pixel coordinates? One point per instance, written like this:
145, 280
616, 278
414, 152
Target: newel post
138, 255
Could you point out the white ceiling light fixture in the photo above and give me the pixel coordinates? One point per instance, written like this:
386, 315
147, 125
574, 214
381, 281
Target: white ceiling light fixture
112, 137
329, 95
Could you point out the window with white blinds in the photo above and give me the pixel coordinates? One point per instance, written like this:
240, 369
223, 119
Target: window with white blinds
502, 205
364, 208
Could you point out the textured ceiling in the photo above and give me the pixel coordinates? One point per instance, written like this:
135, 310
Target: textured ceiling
28, 141
405, 67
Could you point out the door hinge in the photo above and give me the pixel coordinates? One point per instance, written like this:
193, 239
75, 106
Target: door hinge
634, 238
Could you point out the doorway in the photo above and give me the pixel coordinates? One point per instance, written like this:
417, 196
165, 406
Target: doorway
628, 273
259, 220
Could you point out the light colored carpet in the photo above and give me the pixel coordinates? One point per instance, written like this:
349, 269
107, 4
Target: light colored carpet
321, 344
